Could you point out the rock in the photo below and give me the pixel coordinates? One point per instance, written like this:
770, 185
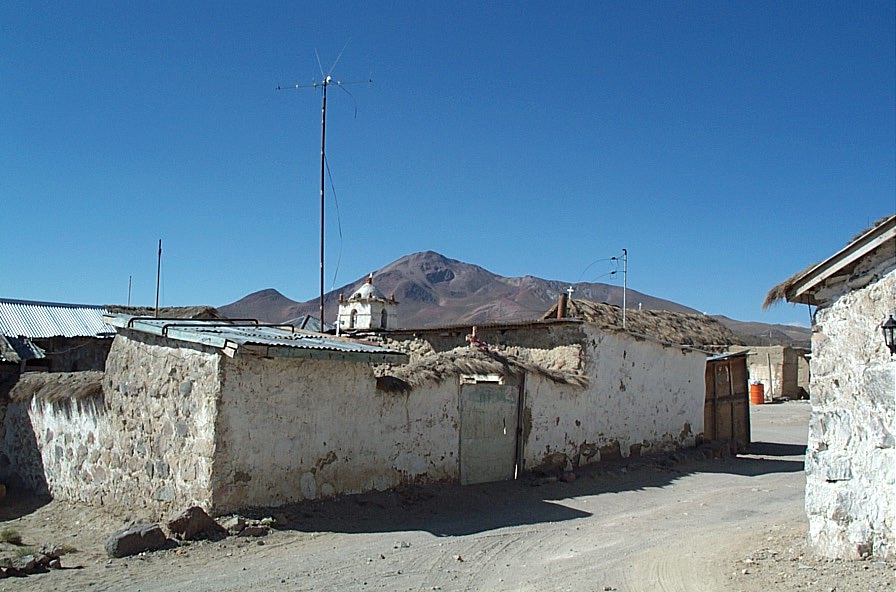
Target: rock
254, 530
568, 477
194, 524
136, 539
234, 524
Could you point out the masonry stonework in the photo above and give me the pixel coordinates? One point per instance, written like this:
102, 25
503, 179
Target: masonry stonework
851, 459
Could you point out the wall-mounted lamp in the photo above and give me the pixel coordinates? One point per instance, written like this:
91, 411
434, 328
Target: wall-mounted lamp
889, 329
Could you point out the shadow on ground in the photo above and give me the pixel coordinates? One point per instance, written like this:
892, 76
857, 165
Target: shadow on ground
454, 510
19, 502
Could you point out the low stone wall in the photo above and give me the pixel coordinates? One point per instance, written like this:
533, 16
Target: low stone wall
67, 434
21, 464
851, 459
146, 443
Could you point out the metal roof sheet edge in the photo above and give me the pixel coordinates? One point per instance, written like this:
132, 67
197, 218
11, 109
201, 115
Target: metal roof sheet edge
273, 341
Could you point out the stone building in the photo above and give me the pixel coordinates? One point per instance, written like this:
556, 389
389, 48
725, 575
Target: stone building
367, 309
851, 459
228, 417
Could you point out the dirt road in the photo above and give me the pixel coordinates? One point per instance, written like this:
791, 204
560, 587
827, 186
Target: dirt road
684, 524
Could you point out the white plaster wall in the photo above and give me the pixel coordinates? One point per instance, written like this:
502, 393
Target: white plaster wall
291, 429
642, 397
369, 314
851, 459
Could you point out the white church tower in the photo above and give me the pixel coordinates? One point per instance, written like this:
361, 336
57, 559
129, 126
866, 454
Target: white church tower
367, 308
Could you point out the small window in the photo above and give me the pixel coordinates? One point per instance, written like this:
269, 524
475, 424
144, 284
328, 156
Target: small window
383, 318
352, 319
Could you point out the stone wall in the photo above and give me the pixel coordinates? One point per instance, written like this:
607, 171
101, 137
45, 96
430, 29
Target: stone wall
642, 397
180, 424
851, 459
158, 441
21, 464
147, 443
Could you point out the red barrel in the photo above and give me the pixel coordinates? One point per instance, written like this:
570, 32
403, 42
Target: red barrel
757, 394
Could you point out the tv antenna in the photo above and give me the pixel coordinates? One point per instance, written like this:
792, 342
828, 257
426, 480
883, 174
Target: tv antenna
325, 82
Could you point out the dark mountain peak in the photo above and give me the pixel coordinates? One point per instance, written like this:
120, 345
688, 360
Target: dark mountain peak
435, 290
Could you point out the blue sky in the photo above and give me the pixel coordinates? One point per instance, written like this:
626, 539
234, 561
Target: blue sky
725, 145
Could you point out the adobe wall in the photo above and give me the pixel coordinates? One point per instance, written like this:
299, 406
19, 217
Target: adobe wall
782, 370
851, 460
292, 429
642, 398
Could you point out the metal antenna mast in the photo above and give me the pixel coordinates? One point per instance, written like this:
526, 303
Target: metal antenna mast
324, 84
624, 283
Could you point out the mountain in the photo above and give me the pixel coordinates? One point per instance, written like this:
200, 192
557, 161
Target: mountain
754, 333
433, 290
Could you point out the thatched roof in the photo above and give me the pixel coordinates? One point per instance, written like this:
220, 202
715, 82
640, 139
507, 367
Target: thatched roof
780, 292
169, 312
56, 386
677, 328
435, 367
840, 260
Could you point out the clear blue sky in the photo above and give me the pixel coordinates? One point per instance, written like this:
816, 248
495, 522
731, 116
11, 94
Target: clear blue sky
725, 145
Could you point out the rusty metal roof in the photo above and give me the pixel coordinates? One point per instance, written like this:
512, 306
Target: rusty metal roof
253, 338
25, 318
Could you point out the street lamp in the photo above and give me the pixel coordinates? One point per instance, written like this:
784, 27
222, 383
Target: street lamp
889, 330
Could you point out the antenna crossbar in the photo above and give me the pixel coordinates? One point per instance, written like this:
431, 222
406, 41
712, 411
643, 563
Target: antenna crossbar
323, 84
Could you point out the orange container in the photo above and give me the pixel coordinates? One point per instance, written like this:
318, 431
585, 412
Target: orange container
757, 394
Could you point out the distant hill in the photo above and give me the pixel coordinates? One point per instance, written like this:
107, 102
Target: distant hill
753, 333
433, 290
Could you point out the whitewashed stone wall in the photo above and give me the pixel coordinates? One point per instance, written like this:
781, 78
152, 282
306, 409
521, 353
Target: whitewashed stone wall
182, 425
21, 464
642, 398
147, 444
290, 430
67, 435
851, 459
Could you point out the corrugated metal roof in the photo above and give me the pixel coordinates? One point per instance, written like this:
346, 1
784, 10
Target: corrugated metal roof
25, 318
264, 340
16, 349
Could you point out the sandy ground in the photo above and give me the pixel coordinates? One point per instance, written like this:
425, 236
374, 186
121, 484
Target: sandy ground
687, 523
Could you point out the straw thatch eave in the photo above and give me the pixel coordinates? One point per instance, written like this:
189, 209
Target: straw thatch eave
667, 327
201, 312
784, 290
799, 288
436, 367
57, 386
